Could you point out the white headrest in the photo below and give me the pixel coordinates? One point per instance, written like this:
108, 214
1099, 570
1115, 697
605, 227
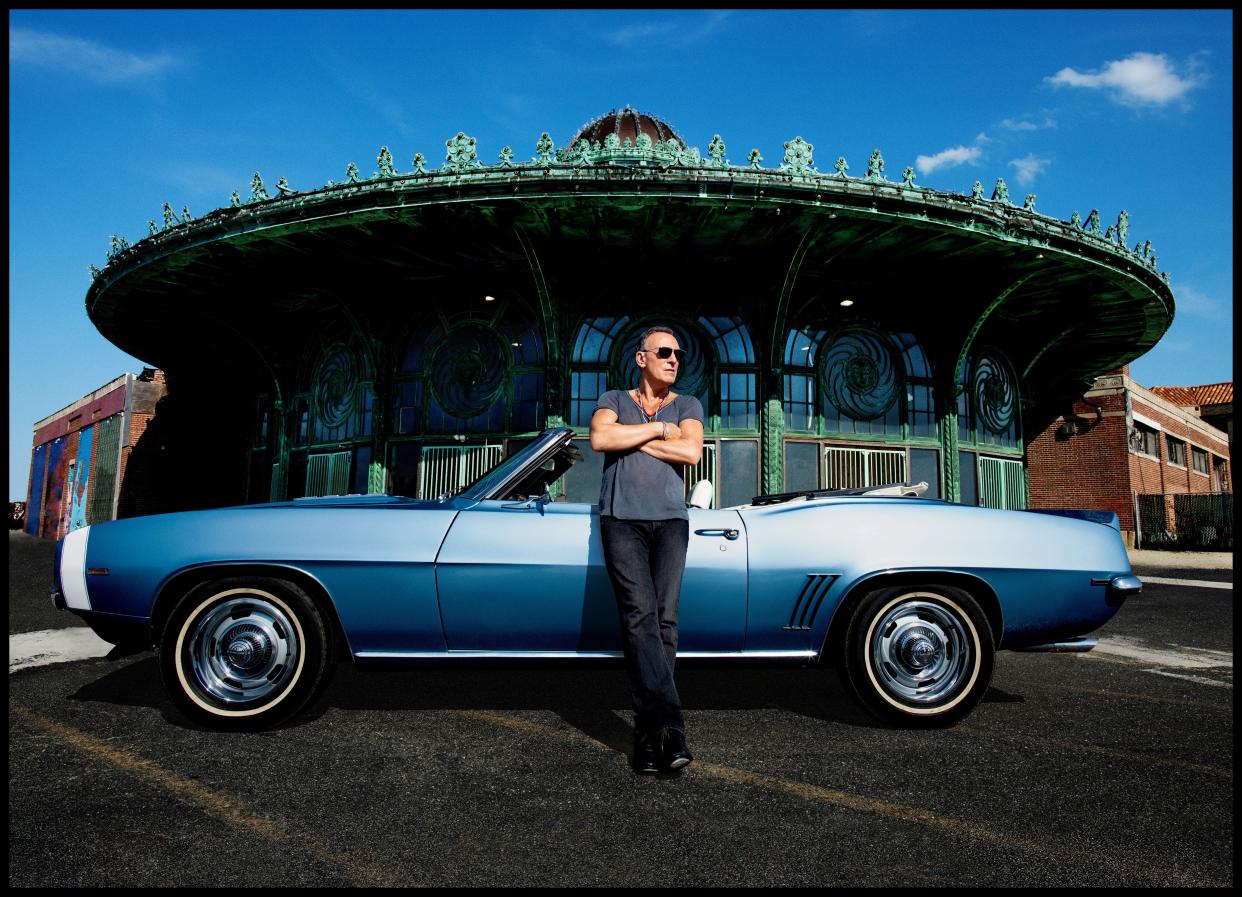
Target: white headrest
701, 495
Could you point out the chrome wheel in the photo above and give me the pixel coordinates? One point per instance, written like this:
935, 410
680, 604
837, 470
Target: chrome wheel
918, 656
245, 653
921, 652
244, 649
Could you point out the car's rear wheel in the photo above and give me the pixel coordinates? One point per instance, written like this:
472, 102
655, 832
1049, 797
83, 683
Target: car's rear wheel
918, 656
245, 653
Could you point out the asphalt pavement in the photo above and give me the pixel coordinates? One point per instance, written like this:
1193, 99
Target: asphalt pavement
1112, 768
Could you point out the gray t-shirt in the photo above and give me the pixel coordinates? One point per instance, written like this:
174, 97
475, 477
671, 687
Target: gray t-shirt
638, 486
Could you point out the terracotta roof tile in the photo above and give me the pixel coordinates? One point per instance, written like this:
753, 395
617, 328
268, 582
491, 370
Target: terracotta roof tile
1214, 393
1178, 395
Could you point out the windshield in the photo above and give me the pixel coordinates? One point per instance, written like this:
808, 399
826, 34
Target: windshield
510, 467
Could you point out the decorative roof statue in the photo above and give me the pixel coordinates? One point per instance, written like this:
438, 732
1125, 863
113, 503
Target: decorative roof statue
841, 166
95, 272
545, 147
185, 214
351, 174
976, 192
1138, 249
1029, 202
1093, 223
119, 245
1076, 219
716, 149
798, 157
420, 164
907, 177
506, 157
1123, 227
170, 217
235, 200
1000, 193
257, 190
875, 167
1110, 234
386, 168
754, 158
462, 153
643, 144
283, 186
152, 228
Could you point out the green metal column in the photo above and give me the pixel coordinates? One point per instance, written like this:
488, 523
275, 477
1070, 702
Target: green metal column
280, 474
773, 441
949, 449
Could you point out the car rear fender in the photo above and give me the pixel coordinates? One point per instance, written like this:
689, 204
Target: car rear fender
978, 589
183, 581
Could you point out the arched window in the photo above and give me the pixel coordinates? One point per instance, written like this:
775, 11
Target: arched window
589, 366
335, 399
736, 373
994, 392
331, 423
857, 381
472, 374
861, 379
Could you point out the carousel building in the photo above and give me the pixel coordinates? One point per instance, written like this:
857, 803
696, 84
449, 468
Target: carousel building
401, 332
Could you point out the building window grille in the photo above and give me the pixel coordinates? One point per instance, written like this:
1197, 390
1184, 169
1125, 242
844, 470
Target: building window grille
1177, 452
853, 468
1199, 459
446, 469
328, 473
1002, 484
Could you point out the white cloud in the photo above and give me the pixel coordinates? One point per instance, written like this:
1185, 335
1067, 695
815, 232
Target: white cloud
1139, 79
41, 48
1029, 167
1024, 124
1198, 304
677, 32
949, 158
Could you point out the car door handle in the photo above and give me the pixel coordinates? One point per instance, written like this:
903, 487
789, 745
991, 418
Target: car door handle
730, 534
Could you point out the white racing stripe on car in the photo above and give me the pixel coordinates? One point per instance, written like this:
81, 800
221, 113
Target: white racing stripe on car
36, 649
73, 569
1197, 583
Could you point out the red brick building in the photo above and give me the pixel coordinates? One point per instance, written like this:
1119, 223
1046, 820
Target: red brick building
1122, 444
82, 452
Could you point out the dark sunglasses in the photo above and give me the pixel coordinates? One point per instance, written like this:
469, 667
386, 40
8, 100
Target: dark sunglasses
666, 351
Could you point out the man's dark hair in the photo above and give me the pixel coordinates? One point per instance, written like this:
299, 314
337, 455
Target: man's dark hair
642, 340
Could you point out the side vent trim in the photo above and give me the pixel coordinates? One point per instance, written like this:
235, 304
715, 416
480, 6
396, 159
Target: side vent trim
810, 599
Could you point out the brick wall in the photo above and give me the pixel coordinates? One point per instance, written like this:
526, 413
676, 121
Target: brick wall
1085, 469
1093, 467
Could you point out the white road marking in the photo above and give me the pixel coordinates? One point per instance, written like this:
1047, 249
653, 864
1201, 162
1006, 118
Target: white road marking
36, 649
1177, 657
1199, 679
1197, 583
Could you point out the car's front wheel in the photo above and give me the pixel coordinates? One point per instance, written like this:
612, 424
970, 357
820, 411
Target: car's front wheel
918, 656
245, 653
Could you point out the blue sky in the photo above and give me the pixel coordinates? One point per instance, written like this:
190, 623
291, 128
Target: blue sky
113, 114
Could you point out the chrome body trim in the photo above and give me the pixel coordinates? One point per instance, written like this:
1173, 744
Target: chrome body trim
570, 655
1068, 646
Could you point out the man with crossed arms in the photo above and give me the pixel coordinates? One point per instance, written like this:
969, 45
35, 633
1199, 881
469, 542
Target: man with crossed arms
648, 435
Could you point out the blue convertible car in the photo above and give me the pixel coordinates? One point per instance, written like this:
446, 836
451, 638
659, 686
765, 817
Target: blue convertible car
248, 608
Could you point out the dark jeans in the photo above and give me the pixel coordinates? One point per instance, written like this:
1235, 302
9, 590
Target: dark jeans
646, 559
